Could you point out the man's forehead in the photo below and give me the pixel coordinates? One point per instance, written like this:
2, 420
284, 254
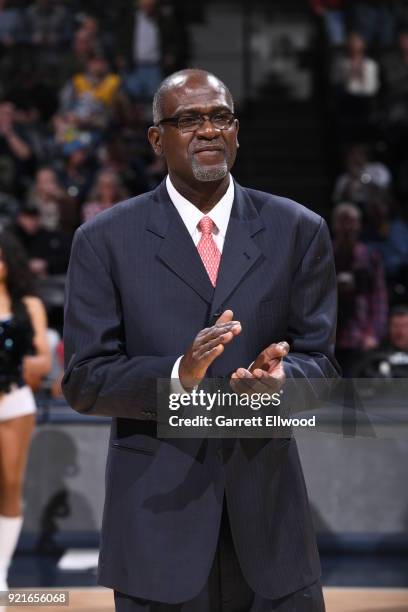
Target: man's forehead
191, 92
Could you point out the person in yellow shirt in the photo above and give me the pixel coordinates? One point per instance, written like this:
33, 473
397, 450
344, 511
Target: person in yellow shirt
91, 94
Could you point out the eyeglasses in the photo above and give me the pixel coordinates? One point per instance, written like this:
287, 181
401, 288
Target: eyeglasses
221, 120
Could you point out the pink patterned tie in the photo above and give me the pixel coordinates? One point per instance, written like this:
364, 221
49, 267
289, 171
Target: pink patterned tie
208, 250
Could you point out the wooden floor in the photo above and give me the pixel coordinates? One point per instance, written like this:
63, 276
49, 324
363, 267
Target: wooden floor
337, 600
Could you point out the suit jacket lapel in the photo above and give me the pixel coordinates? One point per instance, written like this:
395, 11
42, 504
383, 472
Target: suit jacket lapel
240, 251
177, 250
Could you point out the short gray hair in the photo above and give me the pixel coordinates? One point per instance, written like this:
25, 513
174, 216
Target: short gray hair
171, 81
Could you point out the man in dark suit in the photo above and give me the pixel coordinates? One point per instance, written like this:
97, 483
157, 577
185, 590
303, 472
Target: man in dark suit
200, 525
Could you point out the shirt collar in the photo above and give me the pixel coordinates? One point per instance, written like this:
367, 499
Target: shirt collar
191, 215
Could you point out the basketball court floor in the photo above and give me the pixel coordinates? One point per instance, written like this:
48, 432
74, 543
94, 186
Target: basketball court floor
337, 600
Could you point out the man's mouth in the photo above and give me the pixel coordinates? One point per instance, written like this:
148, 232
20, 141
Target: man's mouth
210, 153
208, 148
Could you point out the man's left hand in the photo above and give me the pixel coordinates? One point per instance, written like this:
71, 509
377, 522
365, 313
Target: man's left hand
265, 375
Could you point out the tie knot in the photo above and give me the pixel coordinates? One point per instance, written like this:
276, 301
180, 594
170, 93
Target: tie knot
205, 225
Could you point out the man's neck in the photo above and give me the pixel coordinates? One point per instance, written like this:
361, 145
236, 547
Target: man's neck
203, 195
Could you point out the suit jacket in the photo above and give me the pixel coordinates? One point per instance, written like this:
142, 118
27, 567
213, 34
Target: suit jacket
137, 295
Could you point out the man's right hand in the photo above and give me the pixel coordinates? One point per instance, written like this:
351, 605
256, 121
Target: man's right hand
207, 346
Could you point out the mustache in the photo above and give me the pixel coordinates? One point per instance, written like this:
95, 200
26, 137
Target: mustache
214, 146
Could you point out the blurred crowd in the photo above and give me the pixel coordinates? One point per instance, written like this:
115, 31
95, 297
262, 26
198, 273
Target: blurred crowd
366, 87
76, 86
75, 102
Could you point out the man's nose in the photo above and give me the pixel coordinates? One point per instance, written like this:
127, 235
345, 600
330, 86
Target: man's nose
207, 130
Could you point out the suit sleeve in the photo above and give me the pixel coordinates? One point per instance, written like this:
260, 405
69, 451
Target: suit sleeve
100, 378
313, 312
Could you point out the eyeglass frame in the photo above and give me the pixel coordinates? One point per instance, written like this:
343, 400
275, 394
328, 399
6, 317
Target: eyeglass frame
203, 117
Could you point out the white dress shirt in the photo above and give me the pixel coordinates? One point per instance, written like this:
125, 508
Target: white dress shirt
191, 217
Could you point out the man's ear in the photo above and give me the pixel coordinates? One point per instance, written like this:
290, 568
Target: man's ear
237, 130
154, 136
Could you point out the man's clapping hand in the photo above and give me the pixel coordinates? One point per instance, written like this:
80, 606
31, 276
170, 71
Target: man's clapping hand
265, 375
207, 346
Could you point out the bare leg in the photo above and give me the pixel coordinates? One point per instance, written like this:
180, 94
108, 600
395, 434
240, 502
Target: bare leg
15, 435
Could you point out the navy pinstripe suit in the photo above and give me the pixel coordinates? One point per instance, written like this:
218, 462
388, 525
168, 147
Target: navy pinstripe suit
137, 295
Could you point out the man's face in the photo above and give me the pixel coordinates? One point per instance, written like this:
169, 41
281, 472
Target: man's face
347, 227
398, 332
208, 153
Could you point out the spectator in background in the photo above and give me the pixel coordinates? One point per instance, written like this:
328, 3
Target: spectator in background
395, 70
84, 46
391, 359
125, 150
107, 191
116, 156
49, 24
90, 95
57, 210
9, 208
11, 25
34, 97
90, 26
16, 156
12, 34
398, 329
389, 237
356, 83
361, 177
77, 172
47, 251
35, 103
333, 15
362, 295
374, 20
401, 14
155, 44
357, 74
